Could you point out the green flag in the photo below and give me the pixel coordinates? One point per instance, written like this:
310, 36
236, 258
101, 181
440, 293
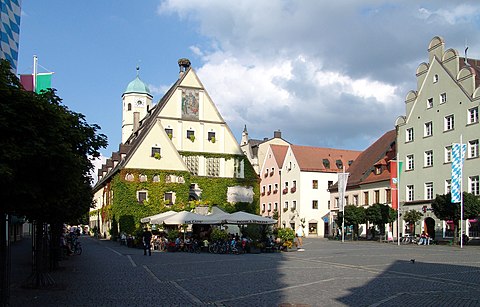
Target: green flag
43, 82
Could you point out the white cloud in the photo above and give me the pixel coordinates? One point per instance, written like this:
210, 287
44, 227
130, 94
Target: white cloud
326, 75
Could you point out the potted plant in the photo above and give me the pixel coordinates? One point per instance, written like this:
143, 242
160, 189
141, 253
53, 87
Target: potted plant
170, 136
212, 139
287, 236
157, 156
192, 138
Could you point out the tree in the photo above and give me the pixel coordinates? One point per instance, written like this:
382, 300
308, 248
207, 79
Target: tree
445, 210
380, 214
45, 161
354, 216
411, 217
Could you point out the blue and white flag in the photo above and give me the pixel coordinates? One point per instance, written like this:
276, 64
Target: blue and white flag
458, 156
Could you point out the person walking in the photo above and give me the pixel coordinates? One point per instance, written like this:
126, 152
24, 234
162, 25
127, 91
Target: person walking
147, 242
299, 234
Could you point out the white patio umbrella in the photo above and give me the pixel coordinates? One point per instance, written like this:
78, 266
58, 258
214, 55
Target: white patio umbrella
241, 218
185, 217
158, 218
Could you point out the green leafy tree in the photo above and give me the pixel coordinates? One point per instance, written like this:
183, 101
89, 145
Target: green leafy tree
412, 217
354, 216
445, 210
45, 161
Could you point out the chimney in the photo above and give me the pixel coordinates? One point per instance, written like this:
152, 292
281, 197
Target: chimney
184, 64
136, 121
277, 134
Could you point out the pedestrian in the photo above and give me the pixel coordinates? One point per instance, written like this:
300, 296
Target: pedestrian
147, 242
299, 234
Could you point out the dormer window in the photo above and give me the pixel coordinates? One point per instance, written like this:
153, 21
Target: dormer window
169, 132
191, 135
156, 152
211, 137
339, 164
378, 169
326, 163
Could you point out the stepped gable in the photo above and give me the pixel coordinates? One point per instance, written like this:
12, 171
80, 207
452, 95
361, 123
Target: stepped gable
314, 159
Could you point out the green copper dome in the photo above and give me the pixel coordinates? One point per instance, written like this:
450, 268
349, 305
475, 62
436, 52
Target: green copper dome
137, 86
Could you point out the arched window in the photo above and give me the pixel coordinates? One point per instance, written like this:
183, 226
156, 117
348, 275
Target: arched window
129, 107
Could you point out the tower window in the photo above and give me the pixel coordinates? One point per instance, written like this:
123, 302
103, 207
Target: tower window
129, 107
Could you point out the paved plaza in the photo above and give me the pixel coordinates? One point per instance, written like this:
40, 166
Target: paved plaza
327, 273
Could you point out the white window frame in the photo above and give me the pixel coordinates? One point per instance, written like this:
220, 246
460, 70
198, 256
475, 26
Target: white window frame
428, 129
448, 154
138, 196
429, 103
472, 116
410, 162
474, 185
443, 98
473, 149
410, 196
449, 123
448, 186
429, 190
409, 135
428, 162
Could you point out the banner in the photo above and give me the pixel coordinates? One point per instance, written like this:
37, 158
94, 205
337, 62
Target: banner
43, 82
458, 156
342, 188
394, 181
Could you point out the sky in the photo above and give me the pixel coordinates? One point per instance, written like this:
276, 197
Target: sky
325, 73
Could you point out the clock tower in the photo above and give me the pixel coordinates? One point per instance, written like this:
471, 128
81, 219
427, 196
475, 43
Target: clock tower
137, 101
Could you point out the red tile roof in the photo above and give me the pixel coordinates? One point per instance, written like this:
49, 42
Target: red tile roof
313, 158
279, 153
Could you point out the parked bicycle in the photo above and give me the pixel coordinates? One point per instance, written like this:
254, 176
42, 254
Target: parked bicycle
408, 240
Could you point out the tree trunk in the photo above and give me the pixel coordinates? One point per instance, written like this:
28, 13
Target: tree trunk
5, 258
40, 278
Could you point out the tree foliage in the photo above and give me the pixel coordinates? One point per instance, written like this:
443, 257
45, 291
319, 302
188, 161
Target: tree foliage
45, 154
354, 216
411, 217
445, 210
380, 214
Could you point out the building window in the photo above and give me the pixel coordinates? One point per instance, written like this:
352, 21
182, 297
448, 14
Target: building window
473, 115
326, 163
269, 189
435, 78
448, 154
169, 199
312, 228
429, 190
269, 208
329, 183
129, 177
191, 135
211, 137
294, 205
315, 184
473, 149
365, 198
192, 164
429, 103
378, 170
156, 152
142, 196
355, 200
409, 135
275, 189
388, 195
275, 206
376, 196
314, 204
449, 123
169, 132
474, 185
410, 163
263, 207
443, 97
142, 178
410, 192
285, 205
129, 107
339, 164
335, 205
213, 167
428, 129
448, 186
428, 158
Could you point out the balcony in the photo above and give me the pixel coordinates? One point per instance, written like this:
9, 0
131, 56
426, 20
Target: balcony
271, 173
292, 190
285, 191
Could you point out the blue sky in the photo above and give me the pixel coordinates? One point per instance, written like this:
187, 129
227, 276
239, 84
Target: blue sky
326, 74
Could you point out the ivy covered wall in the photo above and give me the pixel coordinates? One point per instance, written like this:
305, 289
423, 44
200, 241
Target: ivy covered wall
127, 211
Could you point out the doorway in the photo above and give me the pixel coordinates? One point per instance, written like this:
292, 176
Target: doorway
430, 227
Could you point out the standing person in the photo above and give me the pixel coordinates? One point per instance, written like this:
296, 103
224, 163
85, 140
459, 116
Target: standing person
299, 235
147, 242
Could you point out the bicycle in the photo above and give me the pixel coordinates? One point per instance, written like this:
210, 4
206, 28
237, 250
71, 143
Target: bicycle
408, 240
77, 248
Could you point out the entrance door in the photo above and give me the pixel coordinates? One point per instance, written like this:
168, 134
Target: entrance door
430, 223
326, 230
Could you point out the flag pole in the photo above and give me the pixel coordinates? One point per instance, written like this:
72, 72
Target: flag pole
343, 210
398, 200
461, 192
35, 63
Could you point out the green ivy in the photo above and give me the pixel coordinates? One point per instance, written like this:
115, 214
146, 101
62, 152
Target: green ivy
129, 211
